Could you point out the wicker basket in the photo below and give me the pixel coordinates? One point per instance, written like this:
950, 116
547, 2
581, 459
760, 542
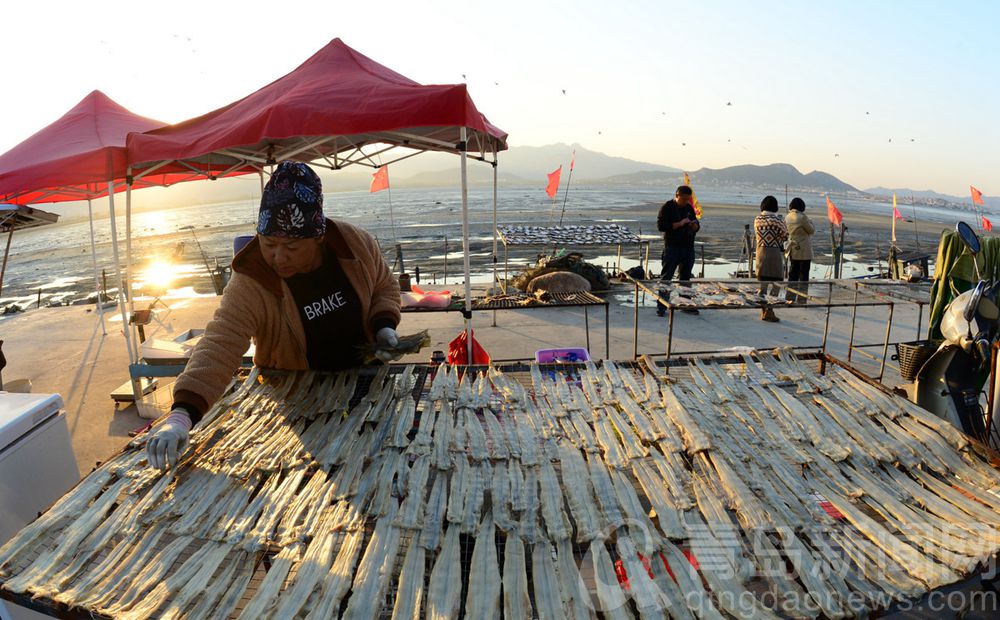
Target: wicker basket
912, 355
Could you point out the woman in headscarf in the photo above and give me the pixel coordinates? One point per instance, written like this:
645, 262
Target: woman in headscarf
307, 289
771, 234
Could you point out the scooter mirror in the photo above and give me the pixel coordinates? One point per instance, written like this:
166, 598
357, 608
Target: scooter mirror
969, 237
973, 305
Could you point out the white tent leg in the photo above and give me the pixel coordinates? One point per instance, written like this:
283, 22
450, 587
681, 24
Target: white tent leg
128, 262
465, 246
121, 284
97, 277
496, 280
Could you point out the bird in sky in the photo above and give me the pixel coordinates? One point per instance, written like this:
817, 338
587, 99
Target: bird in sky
684, 143
463, 76
836, 154
564, 91
867, 113
890, 139
730, 103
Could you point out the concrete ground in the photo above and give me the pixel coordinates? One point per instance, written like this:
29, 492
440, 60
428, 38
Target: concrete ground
62, 350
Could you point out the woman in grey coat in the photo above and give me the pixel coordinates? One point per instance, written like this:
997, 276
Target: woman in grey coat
771, 234
800, 249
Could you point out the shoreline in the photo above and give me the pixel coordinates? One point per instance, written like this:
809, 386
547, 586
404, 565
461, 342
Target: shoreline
66, 272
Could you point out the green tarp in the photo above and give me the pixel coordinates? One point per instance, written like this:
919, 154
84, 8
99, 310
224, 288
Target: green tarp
954, 273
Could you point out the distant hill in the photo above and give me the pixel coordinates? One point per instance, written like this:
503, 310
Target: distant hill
776, 175
904, 193
525, 165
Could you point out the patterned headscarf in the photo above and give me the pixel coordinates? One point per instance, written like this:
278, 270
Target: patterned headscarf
292, 203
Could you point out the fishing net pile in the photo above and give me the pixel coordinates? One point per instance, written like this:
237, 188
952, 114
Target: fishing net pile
753, 489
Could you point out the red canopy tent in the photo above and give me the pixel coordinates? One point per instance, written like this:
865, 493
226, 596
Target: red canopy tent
75, 157
80, 156
325, 112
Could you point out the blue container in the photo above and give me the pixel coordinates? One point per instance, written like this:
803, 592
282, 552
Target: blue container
571, 356
240, 242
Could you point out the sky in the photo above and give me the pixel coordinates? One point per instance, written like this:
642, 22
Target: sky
877, 93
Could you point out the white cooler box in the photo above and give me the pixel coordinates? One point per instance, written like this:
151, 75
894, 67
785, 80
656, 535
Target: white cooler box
37, 466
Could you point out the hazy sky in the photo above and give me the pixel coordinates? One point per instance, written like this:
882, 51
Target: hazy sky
819, 85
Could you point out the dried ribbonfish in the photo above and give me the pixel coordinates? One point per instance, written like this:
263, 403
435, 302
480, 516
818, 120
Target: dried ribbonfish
375, 571
610, 597
579, 494
575, 597
483, 600
403, 423
434, 513
445, 589
411, 343
412, 510
548, 601
556, 522
473, 490
337, 581
516, 604
410, 594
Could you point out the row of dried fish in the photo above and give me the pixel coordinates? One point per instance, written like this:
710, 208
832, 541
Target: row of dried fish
608, 234
733, 467
720, 295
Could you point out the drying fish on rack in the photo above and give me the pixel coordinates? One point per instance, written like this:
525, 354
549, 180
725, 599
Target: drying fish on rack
357, 506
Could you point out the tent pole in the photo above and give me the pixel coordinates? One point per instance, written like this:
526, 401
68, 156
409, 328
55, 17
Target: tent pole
496, 281
6, 253
121, 283
97, 278
128, 259
465, 245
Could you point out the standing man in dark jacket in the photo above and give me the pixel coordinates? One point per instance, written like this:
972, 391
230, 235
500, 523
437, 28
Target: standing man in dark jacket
679, 224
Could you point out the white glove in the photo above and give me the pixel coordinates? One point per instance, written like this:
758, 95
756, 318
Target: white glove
386, 340
168, 440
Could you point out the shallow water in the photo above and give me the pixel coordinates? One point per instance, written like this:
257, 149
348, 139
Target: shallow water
54, 264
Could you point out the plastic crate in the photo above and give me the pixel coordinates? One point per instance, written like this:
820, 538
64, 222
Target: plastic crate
570, 356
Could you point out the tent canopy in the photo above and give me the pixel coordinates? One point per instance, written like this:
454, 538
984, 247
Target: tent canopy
75, 157
334, 103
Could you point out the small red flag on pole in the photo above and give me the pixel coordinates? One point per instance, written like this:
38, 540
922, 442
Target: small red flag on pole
380, 180
895, 212
572, 161
977, 196
553, 187
832, 212
988, 225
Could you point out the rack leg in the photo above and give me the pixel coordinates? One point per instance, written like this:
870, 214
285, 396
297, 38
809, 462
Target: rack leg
826, 326
920, 319
607, 332
586, 326
635, 324
670, 331
885, 345
854, 318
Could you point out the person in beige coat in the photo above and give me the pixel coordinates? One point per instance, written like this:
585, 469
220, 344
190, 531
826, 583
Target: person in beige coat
308, 290
800, 251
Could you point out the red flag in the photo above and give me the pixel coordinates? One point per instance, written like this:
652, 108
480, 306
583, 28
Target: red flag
380, 180
977, 196
988, 225
553, 187
895, 212
572, 161
833, 213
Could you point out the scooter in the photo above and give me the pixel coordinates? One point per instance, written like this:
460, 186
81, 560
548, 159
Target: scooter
950, 383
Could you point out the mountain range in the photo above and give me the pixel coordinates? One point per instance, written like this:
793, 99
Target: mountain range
527, 166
